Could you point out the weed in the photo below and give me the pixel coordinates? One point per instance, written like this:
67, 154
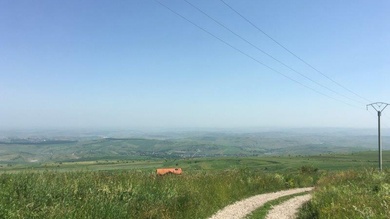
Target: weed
132, 194
350, 194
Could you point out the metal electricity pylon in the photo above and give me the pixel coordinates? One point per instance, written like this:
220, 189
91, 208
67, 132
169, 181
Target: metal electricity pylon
379, 107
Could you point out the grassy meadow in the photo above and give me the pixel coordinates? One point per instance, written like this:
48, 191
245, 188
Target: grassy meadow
134, 194
350, 194
346, 184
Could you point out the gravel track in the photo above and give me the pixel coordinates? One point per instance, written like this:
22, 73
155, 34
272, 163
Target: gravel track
242, 208
289, 208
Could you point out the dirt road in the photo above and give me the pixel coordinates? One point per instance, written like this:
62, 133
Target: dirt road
289, 208
241, 208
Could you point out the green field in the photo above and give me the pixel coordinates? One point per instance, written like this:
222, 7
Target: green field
115, 177
39, 150
328, 162
134, 194
131, 189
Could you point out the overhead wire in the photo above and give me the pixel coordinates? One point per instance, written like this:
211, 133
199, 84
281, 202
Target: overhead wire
293, 54
269, 55
251, 57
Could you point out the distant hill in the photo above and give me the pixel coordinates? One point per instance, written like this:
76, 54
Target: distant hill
181, 145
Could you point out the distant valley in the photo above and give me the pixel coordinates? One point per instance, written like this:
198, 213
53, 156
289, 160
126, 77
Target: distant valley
38, 149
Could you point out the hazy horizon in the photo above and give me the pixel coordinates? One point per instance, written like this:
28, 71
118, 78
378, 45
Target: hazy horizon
134, 132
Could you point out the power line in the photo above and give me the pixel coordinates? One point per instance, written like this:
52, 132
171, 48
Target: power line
269, 55
289, 51
249, 56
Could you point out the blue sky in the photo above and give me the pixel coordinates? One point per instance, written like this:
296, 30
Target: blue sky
135, 64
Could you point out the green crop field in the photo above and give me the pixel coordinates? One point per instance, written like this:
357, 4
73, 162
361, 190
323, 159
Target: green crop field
329, 162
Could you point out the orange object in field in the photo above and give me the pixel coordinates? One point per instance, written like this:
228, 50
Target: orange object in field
164, 171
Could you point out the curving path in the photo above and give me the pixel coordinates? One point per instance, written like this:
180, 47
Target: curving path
289, 208
242, 208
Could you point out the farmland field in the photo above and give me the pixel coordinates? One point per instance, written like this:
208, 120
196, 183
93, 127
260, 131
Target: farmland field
130, 188
115, 177
329, 162
38, 149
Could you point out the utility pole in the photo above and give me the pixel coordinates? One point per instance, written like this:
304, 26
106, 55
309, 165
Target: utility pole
379, 107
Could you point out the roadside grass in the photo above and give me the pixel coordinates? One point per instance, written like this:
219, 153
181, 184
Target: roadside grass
262, 212
350, 194
134, 194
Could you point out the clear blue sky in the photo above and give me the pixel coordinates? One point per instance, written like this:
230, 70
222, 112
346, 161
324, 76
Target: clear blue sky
135, 64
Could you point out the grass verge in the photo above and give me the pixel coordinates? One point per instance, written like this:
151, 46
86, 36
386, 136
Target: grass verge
350, 194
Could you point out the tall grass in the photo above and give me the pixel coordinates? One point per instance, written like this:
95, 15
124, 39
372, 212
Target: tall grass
131, 194
351, 194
